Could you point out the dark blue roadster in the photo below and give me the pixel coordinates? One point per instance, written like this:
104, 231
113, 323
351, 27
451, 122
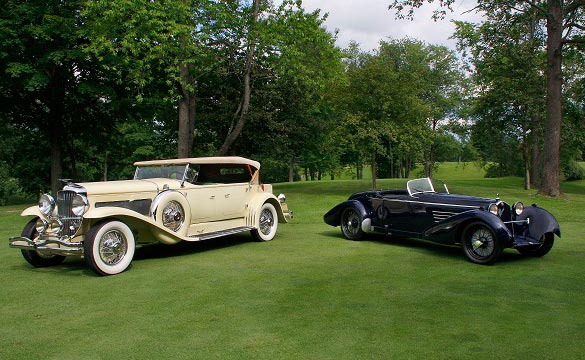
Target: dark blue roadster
483, 227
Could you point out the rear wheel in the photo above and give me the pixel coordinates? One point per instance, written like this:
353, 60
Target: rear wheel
351, 224
267, 223
480, 244
33, 257
546, 243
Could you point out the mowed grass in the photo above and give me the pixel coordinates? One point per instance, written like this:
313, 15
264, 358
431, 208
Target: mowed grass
309, 294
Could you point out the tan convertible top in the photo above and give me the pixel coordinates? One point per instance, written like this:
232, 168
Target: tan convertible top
201, 160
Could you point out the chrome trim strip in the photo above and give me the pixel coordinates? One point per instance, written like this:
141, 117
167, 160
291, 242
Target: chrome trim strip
431, 203
217, 234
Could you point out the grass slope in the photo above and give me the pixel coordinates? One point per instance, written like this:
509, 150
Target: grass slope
307, 294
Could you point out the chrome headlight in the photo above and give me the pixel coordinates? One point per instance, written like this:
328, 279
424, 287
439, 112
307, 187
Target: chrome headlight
518, 208
46, 204
493, 208
281, 198
79, 205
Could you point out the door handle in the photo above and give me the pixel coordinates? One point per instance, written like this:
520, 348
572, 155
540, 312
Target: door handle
227, 196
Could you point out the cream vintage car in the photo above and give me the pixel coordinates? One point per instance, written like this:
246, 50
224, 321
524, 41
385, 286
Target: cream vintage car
168, 201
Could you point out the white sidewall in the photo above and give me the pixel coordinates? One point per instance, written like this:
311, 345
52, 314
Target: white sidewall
165, 198
274, 227
130, 247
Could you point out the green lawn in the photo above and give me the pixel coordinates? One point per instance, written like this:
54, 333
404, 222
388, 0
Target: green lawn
309, 294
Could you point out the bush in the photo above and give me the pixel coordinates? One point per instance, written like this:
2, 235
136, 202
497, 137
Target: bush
9, 187
572, 170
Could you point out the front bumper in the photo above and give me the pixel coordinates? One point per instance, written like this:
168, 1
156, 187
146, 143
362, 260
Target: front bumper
47, 246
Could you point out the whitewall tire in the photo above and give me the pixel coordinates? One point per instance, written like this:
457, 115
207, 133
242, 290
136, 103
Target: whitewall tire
267, 223
109, 247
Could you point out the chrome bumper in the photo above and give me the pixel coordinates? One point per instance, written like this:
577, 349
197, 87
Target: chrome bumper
47, 247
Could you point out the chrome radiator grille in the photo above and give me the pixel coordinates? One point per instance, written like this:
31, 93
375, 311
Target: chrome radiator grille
70, 222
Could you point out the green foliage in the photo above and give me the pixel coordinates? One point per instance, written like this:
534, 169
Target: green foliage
9, 186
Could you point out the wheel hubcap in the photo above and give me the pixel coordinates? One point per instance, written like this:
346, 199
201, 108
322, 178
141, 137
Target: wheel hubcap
351, 223
113, 247
266, 221
173, 216
482, 242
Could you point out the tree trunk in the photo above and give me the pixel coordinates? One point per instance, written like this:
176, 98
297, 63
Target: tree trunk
374, 172
526, 158
550, 185
234, 133
56, 139
186, 114
291, 170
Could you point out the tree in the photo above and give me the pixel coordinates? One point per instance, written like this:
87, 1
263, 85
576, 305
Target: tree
52, 93
508, 65
564, 26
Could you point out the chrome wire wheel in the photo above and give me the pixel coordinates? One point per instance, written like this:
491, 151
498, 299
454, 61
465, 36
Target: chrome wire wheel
112, 247
109, 247
173, 216
480, 244
351, 224
266, 221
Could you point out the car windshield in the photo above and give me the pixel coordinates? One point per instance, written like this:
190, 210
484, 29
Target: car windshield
161, 171
418, 186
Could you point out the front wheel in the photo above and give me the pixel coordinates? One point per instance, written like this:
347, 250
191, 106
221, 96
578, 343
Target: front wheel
267, 223
351, 224
33, 257
109, 247
480, 244
546, 244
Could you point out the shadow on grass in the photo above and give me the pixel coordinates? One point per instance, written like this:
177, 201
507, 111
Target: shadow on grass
158, 251
75, 266
435, 249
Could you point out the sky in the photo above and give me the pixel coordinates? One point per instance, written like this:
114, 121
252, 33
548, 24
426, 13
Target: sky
369, 21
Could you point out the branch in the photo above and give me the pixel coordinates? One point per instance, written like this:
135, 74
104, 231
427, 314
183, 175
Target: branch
575, 5
573, 41
537, 6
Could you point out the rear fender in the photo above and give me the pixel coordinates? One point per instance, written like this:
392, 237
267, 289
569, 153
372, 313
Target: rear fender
333, 216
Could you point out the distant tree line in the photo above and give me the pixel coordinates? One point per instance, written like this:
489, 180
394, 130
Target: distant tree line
90, 87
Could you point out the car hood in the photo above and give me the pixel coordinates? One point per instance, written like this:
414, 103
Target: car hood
122, 186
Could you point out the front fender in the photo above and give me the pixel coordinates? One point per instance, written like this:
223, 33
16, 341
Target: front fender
449, 230
540, 222
333, 216
134, 220
31, 211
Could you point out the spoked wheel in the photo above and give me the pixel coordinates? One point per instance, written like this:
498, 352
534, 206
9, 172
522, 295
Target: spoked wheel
546, 243
267, 223
351, 224
109, 247
33, 257
480, 244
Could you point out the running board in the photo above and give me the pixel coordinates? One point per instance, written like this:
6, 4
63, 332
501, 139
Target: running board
217, 234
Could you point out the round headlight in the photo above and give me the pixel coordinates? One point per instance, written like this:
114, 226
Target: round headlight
493, 208
79, 205
46, 204
518, 208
